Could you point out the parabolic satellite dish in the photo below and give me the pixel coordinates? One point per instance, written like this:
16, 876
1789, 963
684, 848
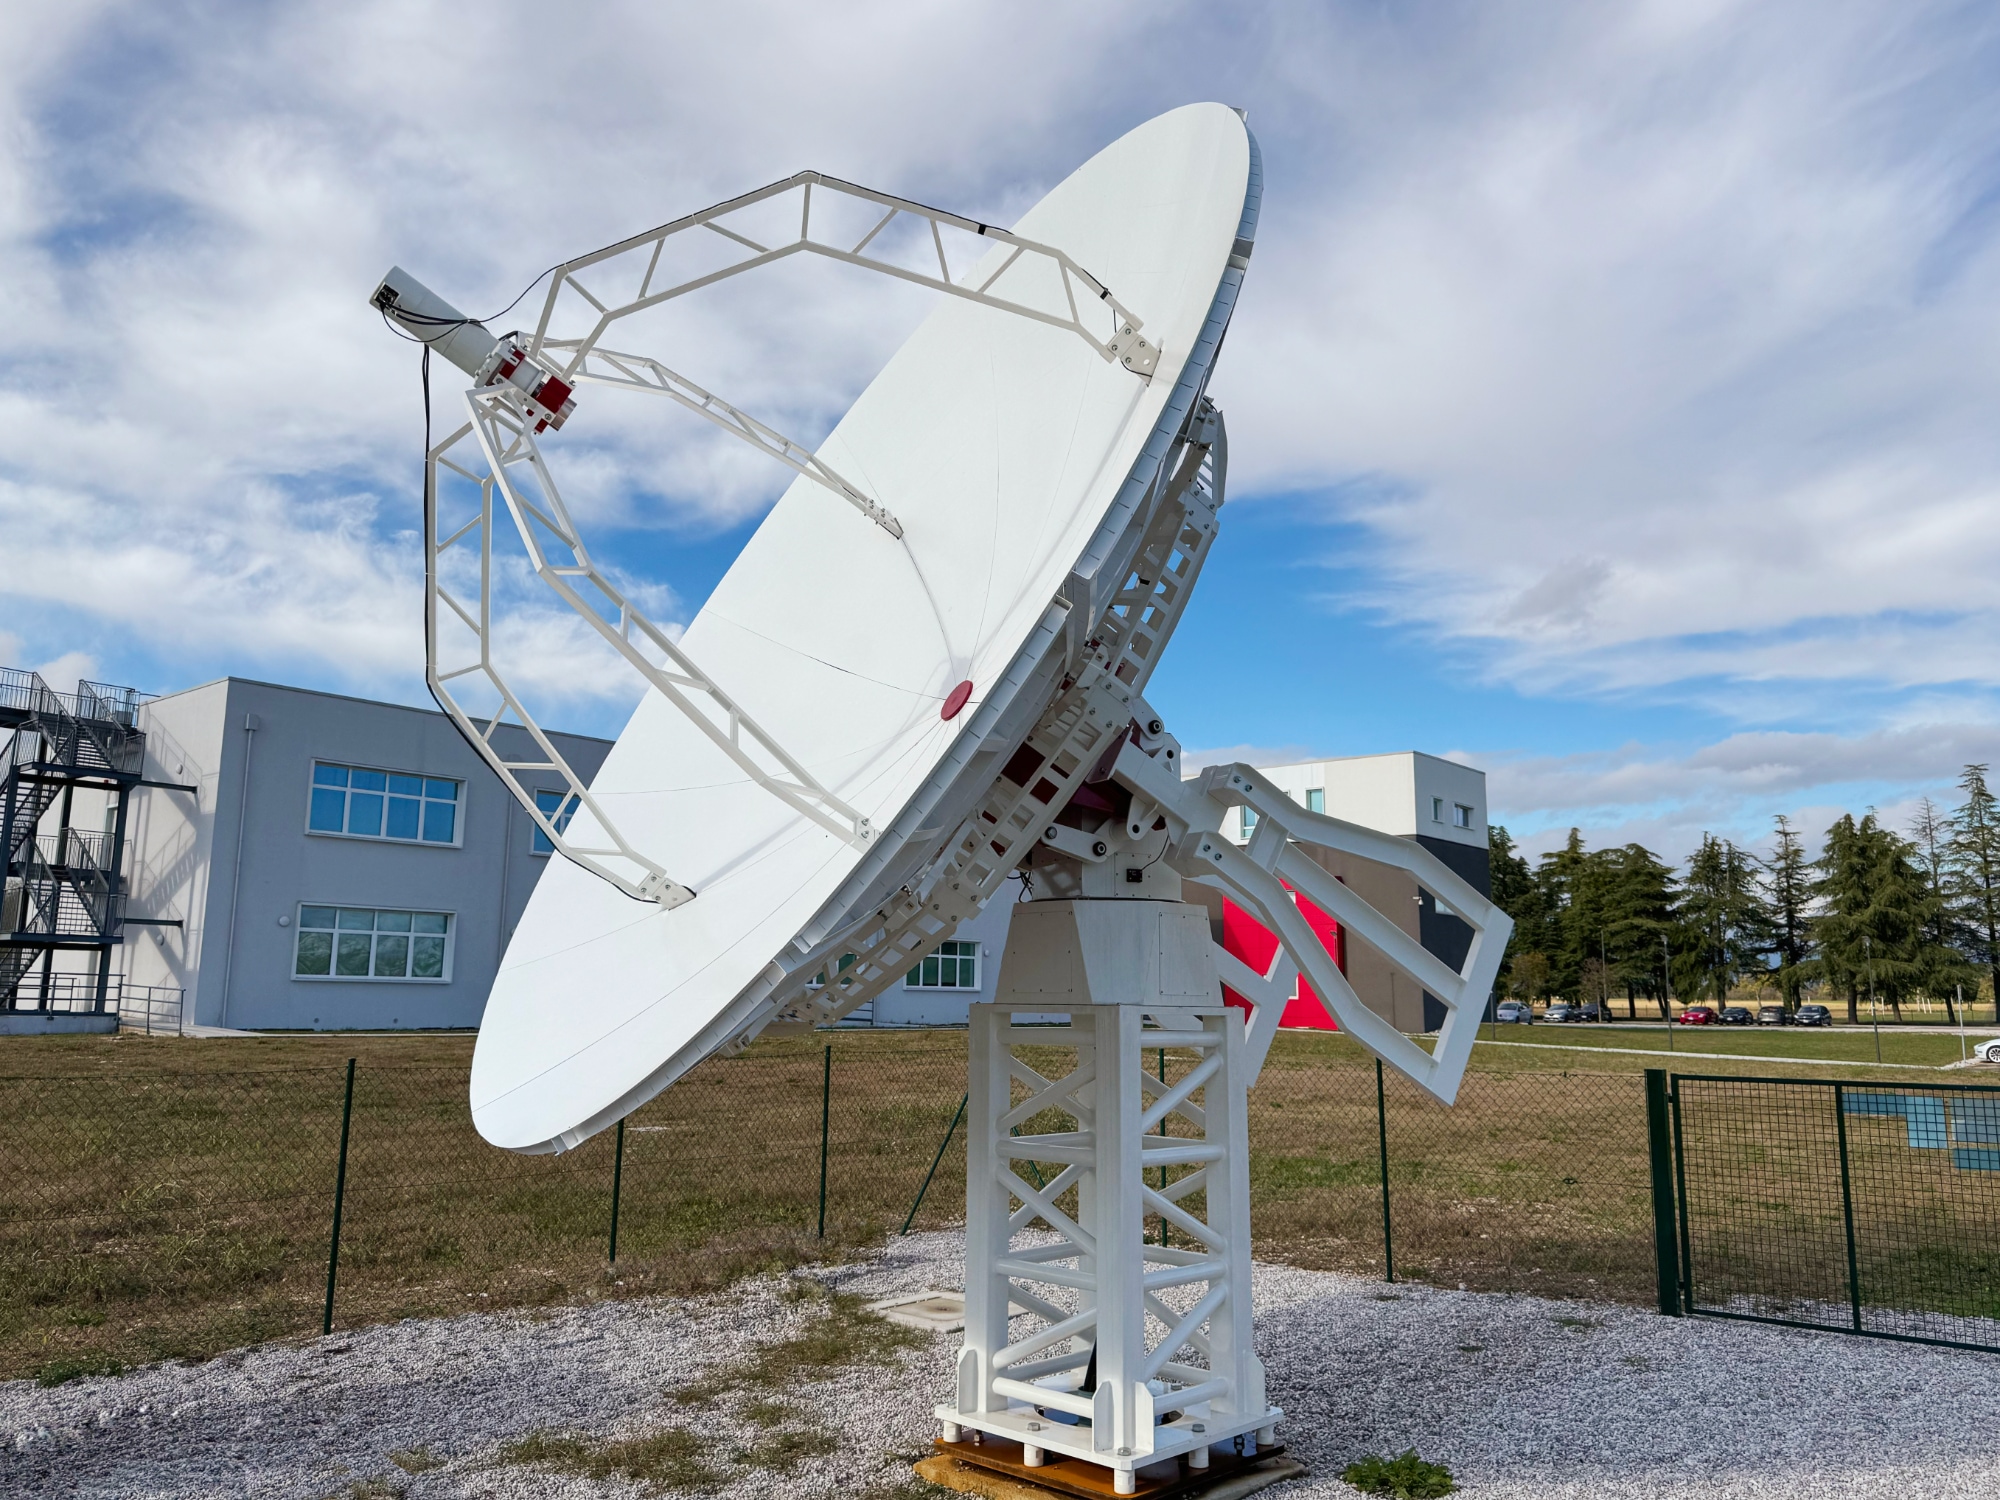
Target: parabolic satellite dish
795, 812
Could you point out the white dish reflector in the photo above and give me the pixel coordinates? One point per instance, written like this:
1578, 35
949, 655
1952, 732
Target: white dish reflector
1004, 447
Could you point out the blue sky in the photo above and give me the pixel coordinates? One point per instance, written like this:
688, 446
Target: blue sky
1611, 401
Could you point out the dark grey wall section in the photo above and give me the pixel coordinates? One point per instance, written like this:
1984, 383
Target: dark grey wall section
1440, 932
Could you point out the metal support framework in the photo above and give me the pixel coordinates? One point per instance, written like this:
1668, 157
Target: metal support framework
1114, 657
65, 885
1129, 1352
1263, 877
641, 257
640, 372
504, 423
506, 440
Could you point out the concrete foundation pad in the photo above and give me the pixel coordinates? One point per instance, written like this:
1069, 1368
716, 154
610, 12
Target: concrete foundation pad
54, 1023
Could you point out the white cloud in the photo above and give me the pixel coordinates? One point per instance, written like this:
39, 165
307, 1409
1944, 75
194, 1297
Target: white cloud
1650, 348
1678, 342
1733, 787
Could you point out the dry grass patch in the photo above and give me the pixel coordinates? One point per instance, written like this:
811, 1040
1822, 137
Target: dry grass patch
419, 1460
844, 1334
673, 1459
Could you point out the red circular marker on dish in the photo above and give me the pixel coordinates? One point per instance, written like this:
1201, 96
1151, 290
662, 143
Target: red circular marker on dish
956, 700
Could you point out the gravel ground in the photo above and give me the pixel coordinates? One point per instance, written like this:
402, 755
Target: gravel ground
1518, 1395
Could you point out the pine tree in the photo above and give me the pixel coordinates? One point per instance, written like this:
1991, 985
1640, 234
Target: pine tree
1787, 902
1564, 877
1871, 923
1515, 893
1842, 891
1722, 919
1639, 911
1940, 959
1973, 862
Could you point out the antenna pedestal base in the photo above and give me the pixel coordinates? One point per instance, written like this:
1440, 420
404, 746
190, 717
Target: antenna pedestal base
1112, 1205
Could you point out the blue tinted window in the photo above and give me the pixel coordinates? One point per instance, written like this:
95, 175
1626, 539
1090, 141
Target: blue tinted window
403, 817
315, 916
438, 820
417, 809
329, 810
364, 814
559, 813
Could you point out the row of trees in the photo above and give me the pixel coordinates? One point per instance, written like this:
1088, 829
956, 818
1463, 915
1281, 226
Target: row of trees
1878, 912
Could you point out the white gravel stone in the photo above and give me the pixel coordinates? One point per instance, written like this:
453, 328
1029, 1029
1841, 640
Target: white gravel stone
1519, 1396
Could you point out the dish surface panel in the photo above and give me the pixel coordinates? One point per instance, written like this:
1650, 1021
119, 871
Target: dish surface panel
1000, 444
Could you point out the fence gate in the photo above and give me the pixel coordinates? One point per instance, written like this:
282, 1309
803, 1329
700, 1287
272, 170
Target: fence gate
1865, 1208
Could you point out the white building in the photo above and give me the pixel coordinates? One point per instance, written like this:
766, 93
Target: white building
342, 863
299, 860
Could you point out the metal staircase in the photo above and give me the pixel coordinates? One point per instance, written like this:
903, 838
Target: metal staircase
65, 889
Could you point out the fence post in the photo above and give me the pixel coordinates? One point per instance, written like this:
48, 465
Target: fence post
1163, 1131
1847, 1204
825, 1117
1382, 1134
339, 1201
952, 1130
1666, 1236
617, 1183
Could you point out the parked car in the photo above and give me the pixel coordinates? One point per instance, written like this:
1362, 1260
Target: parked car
1735, 1015
1562, 1012
1813, 1015
1698, 1015
1515, 1010
1988, 1051
1590, 1010
1773, 1015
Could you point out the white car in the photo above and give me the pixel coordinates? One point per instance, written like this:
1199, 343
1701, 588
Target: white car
1988, 1051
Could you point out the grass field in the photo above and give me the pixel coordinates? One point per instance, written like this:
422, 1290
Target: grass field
1799, 1044
163, 1198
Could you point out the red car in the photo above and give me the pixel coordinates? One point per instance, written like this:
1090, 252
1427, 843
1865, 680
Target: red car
1699, 1015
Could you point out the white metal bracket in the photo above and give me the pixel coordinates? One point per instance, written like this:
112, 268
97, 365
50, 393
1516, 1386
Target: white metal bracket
1262, 877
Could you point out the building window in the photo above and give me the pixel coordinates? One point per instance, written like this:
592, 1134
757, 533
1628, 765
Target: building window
361, 942
1437, 809
1461, 815
1248, 822
1316, 800
955, 966
358, 803
558, 810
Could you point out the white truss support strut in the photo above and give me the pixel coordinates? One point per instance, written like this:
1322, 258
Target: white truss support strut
524, 386
506, 436
1138, 1351
639, 372
614, 859
1265, 877
633, 265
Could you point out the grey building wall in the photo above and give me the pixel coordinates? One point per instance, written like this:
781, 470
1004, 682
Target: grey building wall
236, 861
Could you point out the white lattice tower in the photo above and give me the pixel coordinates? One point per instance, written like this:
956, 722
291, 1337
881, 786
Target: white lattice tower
1086, 1336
